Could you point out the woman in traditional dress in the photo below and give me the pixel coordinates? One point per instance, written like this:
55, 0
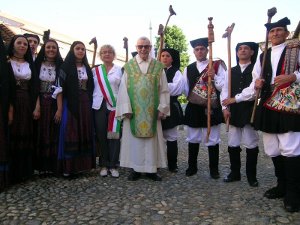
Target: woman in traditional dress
25, 108
5, 115
47, 63
76, 141
107, 78
171, 60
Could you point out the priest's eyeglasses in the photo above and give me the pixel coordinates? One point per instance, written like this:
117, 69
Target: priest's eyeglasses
143, 46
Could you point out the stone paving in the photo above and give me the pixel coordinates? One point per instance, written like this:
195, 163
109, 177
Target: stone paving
91, 199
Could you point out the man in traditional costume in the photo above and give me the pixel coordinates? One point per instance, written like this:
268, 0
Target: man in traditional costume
143, 100
196, 115
280, 127
239, 111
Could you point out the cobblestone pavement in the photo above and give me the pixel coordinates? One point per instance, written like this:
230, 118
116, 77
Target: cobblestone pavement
91, 199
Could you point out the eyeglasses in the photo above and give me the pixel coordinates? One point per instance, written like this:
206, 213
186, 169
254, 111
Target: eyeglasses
143, 46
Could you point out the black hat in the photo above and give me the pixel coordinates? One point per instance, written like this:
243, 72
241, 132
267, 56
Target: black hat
27, 35
200, 41
175, 56
134, 54
280, 23
252, 45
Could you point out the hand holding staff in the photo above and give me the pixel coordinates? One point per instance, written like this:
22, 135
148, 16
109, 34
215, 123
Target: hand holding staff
125, 39
94, 41
211, 39
271, 13
227, 35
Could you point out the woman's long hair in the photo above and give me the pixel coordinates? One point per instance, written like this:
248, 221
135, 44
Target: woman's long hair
34, 81
71, 82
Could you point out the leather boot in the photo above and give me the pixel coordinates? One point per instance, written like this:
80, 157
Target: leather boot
235, 164
192, 160
280, 189
213, 155
251, 162
292, 196
172, 153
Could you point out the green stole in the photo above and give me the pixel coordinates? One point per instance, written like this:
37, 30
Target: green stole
143, 91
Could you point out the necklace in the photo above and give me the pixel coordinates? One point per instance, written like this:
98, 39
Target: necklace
16, 58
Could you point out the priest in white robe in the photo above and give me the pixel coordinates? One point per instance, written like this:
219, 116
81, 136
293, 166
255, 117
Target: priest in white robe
143, 101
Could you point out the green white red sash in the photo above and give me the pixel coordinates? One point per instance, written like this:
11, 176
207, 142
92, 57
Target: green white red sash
114, 125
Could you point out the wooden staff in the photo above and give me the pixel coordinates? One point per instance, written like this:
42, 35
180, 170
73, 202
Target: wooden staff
94, 41
125, 39
271, 13
227, 35
211, 39
162, 30
46, 36
161, 40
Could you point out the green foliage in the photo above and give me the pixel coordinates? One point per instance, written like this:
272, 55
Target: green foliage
174, 38
182, 99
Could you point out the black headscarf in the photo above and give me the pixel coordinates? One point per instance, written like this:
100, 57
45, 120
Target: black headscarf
6, 85
34, 81
69, 79
41, 57
175, 56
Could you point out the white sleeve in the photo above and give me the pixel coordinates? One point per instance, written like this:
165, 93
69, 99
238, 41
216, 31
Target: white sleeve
248, 93
177, 86
186, 83
220, 77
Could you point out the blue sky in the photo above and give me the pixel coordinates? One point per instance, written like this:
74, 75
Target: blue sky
111, 20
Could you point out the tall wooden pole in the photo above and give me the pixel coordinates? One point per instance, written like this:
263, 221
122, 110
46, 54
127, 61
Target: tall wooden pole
227, 35
211, 39
271, 13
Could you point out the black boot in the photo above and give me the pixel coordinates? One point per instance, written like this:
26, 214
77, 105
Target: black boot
292, 196
172, 153
235, 164
279, 190
192, 161
213, 155
251, 162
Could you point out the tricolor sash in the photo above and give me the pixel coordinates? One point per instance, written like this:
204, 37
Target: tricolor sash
143, 90
114, 125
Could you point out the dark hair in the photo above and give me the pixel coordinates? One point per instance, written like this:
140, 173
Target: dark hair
27, 35
10, 50
34, 81
69, 79
41, 57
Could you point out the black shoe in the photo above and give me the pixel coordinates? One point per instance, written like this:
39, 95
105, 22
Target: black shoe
190, 172
133, 176
274, 192
154, 176
289, 207
232, 177
214, 174
253, 183
173, 170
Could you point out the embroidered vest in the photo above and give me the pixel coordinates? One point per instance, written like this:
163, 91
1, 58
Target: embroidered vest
143, 90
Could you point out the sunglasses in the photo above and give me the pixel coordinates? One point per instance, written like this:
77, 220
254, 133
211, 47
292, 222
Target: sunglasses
143, 46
